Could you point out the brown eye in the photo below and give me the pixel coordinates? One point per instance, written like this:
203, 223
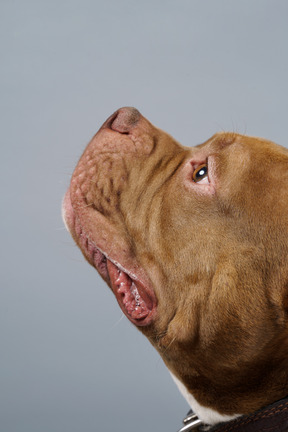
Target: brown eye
200, 173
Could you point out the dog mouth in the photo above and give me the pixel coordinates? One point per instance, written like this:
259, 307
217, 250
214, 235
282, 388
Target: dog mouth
135, 298
131, 295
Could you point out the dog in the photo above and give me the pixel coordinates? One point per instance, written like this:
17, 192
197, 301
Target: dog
193, 242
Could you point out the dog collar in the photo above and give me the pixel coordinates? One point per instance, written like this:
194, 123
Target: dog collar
273, 417
191, 422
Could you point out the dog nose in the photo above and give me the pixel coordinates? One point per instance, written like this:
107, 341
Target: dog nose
124, 120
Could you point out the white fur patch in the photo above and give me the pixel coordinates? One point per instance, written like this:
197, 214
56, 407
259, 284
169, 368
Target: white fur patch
206, 415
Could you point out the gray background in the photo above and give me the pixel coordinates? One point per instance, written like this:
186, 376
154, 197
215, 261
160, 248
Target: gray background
69, 362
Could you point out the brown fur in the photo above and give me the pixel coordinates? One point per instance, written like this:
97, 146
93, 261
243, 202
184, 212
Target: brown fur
216, 259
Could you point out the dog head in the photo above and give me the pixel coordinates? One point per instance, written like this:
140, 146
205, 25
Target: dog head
193, 243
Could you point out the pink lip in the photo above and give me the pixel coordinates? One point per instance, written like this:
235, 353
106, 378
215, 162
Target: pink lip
137, 301
131, 296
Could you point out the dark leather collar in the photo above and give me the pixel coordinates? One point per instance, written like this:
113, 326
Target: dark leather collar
273, 418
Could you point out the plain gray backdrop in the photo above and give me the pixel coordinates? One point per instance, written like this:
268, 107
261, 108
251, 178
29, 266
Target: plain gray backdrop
69, 362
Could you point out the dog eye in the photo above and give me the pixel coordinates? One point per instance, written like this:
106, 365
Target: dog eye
200, 173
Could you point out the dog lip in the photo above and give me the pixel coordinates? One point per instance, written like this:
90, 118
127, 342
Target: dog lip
141, 314
132, 296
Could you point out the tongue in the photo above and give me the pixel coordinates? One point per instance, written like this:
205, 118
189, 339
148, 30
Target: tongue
130, 294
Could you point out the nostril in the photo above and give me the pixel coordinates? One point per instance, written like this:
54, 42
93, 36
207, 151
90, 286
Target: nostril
124, 119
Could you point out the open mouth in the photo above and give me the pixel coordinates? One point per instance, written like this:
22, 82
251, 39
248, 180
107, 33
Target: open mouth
136, 300
131, 294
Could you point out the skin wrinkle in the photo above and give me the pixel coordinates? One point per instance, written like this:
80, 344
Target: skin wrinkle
215, 255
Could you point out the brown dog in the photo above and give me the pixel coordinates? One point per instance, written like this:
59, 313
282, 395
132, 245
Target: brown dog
194, 244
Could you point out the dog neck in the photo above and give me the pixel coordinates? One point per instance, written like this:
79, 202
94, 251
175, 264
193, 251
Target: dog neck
206, 415
274, 417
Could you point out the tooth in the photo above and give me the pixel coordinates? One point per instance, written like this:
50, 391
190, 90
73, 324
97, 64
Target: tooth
118, 280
